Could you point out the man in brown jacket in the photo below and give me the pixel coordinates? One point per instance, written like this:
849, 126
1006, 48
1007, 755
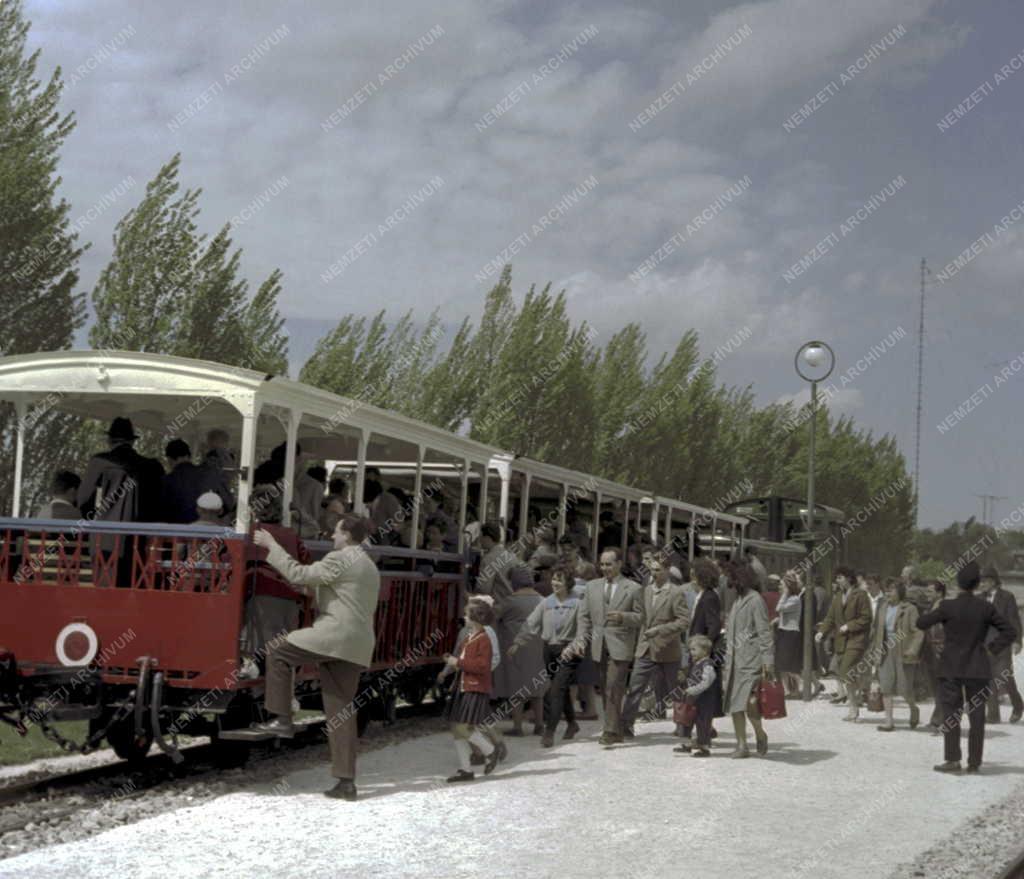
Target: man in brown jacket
658, 647
849, 618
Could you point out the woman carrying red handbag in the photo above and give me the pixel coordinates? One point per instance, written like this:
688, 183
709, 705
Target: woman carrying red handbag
749, 658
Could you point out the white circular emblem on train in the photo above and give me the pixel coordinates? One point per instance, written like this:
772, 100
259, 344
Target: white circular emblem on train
81, 629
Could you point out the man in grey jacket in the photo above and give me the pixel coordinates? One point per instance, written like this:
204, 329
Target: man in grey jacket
610, 616
659, 650
345, 585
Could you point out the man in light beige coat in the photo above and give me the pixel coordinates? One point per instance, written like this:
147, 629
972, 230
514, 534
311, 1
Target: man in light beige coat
610, 615
345, 585
659, 649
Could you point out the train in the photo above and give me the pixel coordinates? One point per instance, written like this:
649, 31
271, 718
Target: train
150, 650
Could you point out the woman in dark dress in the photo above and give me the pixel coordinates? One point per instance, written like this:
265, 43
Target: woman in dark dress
706, 620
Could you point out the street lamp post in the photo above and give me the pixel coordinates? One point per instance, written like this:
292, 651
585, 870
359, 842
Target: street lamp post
820, 359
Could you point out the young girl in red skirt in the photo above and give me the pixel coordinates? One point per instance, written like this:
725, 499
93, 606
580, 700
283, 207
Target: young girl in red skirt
470, 706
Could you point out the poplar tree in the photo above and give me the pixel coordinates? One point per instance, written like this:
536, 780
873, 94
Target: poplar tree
169, 290
39, 248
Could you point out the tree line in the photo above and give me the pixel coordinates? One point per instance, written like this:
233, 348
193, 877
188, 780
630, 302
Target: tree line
524, 376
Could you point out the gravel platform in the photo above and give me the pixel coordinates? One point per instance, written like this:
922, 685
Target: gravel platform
127, 797
831, 800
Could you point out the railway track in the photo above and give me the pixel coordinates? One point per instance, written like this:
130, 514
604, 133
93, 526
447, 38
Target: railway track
55, 799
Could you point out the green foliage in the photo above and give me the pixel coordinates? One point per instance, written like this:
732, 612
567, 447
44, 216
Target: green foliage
970, 539
524, 378
38, 244
169, 290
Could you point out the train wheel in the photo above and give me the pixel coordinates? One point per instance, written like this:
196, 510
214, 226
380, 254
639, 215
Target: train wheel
390, 700
121, 737
228, 755
415, 691
363, 719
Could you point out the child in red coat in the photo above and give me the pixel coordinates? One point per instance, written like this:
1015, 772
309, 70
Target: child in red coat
470, 704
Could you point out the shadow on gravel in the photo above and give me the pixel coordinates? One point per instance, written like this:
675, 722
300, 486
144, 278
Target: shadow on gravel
1000, 769
435, 783
796, 756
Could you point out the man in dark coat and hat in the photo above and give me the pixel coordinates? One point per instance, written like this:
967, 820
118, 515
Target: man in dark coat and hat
965, 670
991, 589
121, 486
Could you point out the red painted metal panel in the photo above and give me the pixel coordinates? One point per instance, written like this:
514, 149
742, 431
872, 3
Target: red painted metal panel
183, 605
181, 602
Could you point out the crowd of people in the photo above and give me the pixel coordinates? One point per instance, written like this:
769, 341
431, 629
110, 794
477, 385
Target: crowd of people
546, 628
707, 639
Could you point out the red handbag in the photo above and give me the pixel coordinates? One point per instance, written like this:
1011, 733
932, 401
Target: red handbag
684, 713
771, 699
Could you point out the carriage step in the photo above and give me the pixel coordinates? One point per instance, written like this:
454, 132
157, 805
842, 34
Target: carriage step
258, 735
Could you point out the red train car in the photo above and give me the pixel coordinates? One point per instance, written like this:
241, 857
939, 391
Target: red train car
138, 627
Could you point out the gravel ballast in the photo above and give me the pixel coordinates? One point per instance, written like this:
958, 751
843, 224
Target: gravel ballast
832, 800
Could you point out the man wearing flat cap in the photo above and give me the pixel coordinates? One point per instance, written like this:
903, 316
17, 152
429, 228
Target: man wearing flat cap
1003, 680
965, 670
121, 486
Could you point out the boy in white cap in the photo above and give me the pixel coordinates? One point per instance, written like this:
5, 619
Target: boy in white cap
209, 506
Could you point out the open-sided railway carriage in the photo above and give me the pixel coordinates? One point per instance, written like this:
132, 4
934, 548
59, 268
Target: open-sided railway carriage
150, 650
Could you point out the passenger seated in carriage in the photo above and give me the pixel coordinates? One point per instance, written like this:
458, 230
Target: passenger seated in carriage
210, 509
63, 497
273, 606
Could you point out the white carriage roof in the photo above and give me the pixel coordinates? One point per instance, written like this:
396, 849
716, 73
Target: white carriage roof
154, 388
576, 479
80, 381
700, 511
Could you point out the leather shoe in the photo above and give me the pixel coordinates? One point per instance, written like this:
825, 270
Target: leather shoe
1016, 715
345, 789
570, 731
461, 775
948, 766
683, 749
762, 744
609, 739
502, 751
492, 760
547, 740
973, 769
281, 727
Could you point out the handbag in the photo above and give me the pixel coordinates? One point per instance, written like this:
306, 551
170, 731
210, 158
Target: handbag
875, 699
771, 699
684, 713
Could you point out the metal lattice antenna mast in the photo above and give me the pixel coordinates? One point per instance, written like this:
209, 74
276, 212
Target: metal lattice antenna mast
920, 396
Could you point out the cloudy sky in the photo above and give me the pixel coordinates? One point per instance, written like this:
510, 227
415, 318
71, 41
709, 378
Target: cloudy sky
819, 105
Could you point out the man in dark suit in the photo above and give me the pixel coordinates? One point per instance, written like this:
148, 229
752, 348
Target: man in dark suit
121, 486
183, 485
965, 671
1002, 663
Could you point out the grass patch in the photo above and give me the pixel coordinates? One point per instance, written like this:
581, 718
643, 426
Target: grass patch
15, 749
